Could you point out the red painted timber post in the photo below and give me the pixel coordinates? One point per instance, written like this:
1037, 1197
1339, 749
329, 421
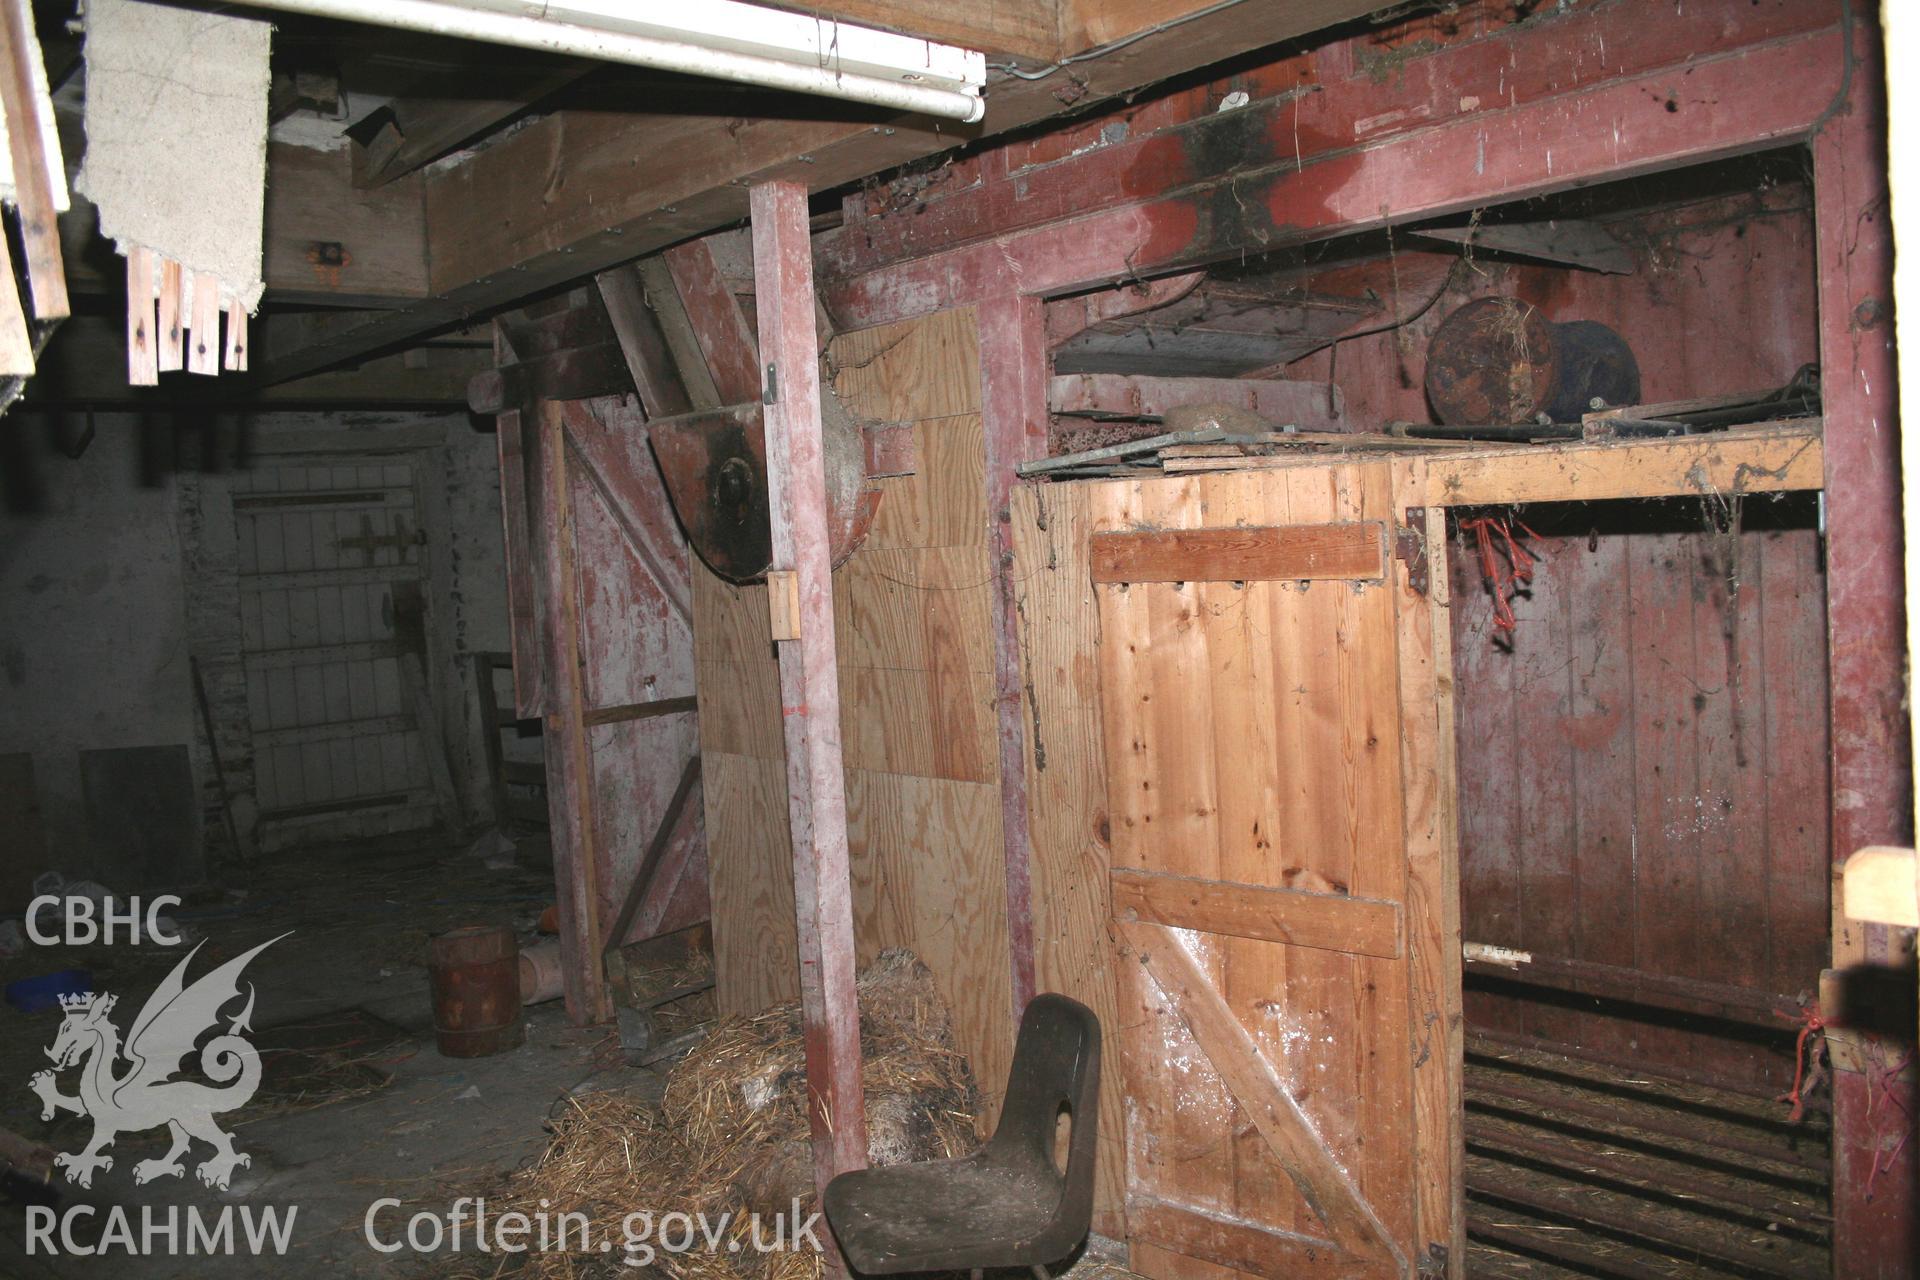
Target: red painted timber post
1013, 409
809, 677
570, 807
1872, 770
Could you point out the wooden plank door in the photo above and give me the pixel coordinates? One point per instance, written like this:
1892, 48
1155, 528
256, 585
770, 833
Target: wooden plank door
1279, 778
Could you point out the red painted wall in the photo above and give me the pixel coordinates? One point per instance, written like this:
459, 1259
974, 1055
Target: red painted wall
1643, 770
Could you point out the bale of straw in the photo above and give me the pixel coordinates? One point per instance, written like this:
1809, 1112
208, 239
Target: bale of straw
731, 1135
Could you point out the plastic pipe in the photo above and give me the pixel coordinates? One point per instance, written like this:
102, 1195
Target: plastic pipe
438, 17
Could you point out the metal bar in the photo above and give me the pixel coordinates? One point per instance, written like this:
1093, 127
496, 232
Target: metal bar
650, 861
809, 680
1013, 414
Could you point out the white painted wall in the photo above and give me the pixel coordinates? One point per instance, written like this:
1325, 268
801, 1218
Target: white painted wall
93, 623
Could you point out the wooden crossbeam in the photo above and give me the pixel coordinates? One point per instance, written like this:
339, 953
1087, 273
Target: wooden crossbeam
1326, 1187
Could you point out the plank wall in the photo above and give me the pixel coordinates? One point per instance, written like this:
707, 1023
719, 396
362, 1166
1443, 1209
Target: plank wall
1059, 620
1643, 770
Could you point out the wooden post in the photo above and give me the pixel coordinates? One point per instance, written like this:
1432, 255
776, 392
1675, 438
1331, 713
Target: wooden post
1872, 779
32, 187
570, 798
809, 679
1013, 408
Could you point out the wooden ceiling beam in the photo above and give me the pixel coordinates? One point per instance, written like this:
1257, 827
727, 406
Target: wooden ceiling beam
1021, 28
324, 244
577, 192
84, 367
438, 116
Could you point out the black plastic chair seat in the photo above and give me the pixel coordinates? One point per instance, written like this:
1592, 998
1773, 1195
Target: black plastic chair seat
1006, 1205
946, 1215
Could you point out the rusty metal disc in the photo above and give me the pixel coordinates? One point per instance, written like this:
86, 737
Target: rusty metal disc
714, 463
715, 467
1491, 362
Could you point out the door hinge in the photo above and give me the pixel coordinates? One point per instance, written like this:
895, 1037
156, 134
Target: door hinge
1410, 547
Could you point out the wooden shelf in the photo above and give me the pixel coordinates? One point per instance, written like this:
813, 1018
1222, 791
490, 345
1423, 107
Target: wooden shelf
1770, 457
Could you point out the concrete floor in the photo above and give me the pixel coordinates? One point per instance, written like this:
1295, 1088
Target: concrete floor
439, 1129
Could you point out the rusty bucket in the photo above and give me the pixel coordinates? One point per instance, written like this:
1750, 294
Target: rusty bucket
475, 973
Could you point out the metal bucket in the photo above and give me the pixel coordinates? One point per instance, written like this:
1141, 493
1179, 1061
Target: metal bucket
475, 974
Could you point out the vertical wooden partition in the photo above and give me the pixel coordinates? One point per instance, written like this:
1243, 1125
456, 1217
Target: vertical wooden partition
602, 650
1282, 872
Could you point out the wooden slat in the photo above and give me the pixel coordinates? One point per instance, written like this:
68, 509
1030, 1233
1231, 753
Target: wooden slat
16, 344
719, 326
518, 451
32, 185
1361, 926
1242, 554
203, 338
173, 325
143, 367
1013, 416
644, 875
1243, 1246
1431, 790
1327, 1188
610, 449
1767, 459
639, 710
663, 393
570, 791
433, 742
1067, 790
236, 345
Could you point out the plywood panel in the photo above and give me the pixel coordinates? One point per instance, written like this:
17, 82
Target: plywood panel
911, 371
920, 881
944, 503
915, 653
756, 956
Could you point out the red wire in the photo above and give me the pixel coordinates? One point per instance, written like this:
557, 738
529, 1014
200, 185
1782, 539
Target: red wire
1502, 581
1811, 1022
